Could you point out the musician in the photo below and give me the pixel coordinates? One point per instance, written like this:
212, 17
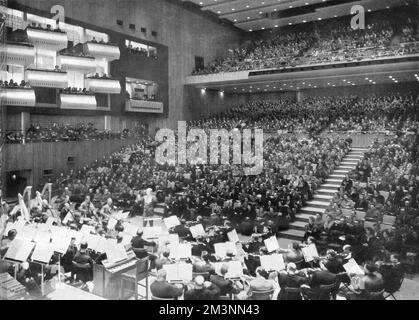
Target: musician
333, 262
226, 286
87, 208
164, 259
202, 290
160, 288
11, 235
347, 253
254, 245
293, 254
82, 257
364, 287
260, 283
290, 278
199, 246
203, 264
318, 278
108, 208
138, 244
182, 230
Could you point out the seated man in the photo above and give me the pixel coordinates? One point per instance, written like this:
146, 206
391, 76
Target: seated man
290, 278
366, 287
319, 278
84, 264
202, 290
260, 284
226, 286
164, 259
160, 288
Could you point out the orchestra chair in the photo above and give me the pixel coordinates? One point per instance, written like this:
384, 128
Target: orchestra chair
140, 253
206, 275
80, 270
328, 292
262, 294
391, 289
161, 299
291, 293
375, 295
134, 276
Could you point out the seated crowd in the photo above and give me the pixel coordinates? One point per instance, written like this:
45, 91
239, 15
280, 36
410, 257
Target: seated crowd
327, 41
63, 132
222, 198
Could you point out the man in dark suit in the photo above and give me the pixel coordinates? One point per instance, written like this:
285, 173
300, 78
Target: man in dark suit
203, 290
226, 286
162, 289
290, 279
84, 268
182, 231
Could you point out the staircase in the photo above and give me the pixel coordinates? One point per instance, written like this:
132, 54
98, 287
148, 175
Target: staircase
323, 196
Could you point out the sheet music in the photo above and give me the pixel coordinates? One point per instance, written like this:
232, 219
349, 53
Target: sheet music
152, 232
178, 272
112, 223
68, 218
27, 233
171, 222
180, 251
42, 237
17, 225
351, 267
19, 250
102, 245
233, 236
197, 230
78, 235
221, 249
130, 228
115, 253
235, 269
310, 252
86, 229
61, 244
92, 241
50, 221
274, 262
43, 253
271, 244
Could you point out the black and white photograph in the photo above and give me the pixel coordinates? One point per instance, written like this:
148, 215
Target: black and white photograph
209, 157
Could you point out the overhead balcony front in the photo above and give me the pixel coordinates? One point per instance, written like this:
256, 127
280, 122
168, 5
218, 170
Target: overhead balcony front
109, 52
17, 96
103, 85
78, 101
17, 53
84, 64
144, 106
47, 38
47, 78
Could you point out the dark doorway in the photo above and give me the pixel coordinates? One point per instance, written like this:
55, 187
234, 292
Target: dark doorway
16, 182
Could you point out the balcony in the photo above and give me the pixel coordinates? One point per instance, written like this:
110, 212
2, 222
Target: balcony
84, 64
47, 38
17, 96
103, 85
47, 78
144, 106
16, 53
109, 52
78, 101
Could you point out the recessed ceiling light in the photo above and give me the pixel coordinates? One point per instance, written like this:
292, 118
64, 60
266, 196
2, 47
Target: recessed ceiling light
260, 12
276, 26
218, 12
250, 30
248, 18
263, 28
391, 77
235, 20
247, 6
290, 23
319, 18
366, 78
233, 9
275, 9
290, 7
304, 21
369, 10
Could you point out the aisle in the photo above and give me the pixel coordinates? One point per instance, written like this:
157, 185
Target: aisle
323, 196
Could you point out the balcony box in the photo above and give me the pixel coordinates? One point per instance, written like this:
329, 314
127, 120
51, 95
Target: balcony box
47, 39
109, 52
17, 53
144, 106
77, 63
17, 96
47, 78
77, 101
103, 85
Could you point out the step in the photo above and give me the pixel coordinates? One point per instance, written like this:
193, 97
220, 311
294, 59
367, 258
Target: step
330, 186
298, 225
334, 176
335, 180
359, 149
313, 210
323, 197
318, 203
341, 171
327, 191
353, 158
292, 234
303, 217
344, 163
346, 167
334, 183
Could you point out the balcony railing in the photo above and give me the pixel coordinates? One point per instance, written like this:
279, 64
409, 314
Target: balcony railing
99, 50
144, 106
47, 38
16, 53
47, 78
17, 96
85, 64
103, 85
78, 101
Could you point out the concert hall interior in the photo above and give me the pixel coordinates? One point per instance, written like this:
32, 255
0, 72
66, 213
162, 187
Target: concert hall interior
209, 150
